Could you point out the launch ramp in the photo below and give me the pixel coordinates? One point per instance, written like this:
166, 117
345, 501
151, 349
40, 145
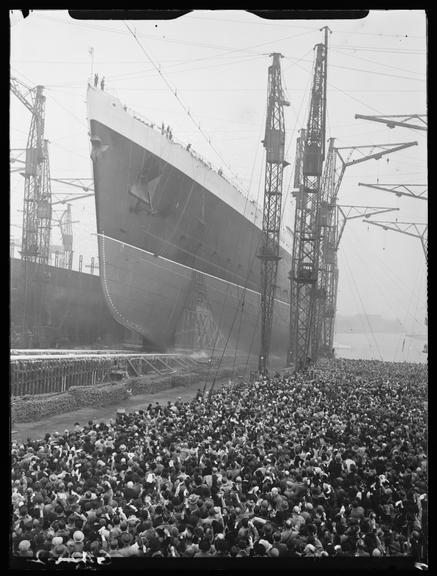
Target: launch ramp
50, 371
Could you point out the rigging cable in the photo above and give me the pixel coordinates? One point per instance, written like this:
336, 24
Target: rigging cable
362, 305
185, 108
374, 275
249, 272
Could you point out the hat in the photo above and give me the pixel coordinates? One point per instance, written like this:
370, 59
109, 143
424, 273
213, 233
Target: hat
126, 538
296, 510
266, 544
57, 540
59, 550
24, 545
78, 536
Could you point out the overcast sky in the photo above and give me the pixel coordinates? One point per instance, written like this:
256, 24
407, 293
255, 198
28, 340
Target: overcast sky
217, 62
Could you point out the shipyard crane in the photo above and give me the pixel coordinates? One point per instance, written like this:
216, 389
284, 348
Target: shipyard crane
348, 212
326, 318
415, 229
274, 143
65, 225
330, 218
305, 256
413, 121
328, 300
37, 211
37, 189
15, 157
65, 222
418, 191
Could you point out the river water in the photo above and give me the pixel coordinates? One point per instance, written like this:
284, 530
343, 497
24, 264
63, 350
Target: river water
380, 346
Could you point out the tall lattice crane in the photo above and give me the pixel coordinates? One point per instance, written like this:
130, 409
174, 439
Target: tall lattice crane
415, 229
331, 224
274, 143
37, 188
329, 273
306, 241
37, 214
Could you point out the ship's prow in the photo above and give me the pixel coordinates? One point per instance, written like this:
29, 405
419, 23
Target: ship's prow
177, 241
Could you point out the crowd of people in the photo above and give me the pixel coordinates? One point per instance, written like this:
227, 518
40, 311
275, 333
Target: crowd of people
327, 463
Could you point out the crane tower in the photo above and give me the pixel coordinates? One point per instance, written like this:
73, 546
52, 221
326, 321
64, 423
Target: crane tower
274, 143
306, 242
37, 213
37, 190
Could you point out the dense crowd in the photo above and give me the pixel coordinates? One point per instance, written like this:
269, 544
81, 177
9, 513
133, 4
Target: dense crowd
329, 463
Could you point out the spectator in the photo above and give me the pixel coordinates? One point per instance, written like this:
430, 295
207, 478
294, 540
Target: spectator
326, 463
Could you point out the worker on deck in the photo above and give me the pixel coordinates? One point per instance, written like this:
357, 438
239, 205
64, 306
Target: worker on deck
102, 83
96, 80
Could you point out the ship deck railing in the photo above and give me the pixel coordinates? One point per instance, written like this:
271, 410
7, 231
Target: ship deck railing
189, 149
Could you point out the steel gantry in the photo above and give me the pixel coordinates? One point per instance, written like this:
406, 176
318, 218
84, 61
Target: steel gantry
418, 191
303, 275
329, 273
414, 121
37, 213
274, 143
415, 229
37, 190
331, 225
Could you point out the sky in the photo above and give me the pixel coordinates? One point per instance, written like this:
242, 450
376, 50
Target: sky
216, 62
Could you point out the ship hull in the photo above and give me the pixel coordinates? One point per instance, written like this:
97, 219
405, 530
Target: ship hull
148, 293
163, 217
66, 306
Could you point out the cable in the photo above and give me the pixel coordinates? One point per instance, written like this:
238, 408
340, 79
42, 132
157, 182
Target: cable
372, 72
409, 304
381, 64
385, 268
388, 298
362, 306
378, 50
292, 23
249, 272
186, 109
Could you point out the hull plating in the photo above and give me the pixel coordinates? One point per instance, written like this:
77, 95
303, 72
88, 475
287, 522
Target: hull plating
159, 219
